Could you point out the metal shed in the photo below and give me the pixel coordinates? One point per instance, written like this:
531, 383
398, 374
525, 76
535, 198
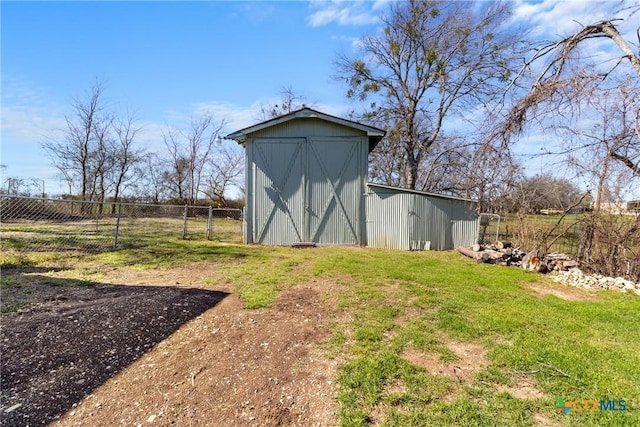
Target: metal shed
413, 220
306, 175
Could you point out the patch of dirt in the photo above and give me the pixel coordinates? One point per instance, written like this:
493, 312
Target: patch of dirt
567, 293
523, 388
169, 352
471, 359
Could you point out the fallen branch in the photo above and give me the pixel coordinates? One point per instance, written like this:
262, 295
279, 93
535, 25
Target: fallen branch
550, 366
544, 365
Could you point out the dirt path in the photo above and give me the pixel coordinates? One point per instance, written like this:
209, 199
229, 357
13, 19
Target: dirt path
166, 355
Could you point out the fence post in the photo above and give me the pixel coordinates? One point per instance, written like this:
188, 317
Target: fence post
243, 224
210, 224
184, 225
115, 240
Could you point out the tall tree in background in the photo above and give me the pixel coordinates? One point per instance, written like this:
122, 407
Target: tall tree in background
97, 154
76, 156
101, 160
190, 151
226, 168
151, 185
533, 194
434, 61
129, 156
291, 101
175, 175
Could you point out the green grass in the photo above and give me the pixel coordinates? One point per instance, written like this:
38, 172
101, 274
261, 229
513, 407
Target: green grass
389, 303
12, 308
594, 343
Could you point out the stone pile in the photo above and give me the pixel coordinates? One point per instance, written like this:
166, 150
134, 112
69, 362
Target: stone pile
563, 268
576, 277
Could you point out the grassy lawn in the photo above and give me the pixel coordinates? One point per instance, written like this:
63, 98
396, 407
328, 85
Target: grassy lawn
397, 315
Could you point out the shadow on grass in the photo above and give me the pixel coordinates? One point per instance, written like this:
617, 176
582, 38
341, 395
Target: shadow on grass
74, 336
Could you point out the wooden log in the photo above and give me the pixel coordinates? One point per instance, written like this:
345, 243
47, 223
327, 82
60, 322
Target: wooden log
487, 256
476, 247
491, 256
477, 255
502, 244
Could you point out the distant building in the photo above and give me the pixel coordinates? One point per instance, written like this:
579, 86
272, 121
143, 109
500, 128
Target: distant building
633, 206
616, 208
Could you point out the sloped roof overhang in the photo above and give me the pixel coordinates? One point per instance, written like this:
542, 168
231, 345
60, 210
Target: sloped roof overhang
374, 134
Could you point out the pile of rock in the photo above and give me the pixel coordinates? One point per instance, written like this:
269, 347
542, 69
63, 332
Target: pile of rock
576, 277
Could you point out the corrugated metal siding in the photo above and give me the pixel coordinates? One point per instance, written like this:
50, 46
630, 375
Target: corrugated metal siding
431, 221
306, 179
307, 128
387, 220
278, 191
398, 219
334, 191
306, 190
464, 224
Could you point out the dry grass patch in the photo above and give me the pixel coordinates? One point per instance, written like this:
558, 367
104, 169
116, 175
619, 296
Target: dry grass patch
523, 388
564, 292
471, 359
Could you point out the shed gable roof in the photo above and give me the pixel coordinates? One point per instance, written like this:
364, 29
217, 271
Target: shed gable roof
374, 134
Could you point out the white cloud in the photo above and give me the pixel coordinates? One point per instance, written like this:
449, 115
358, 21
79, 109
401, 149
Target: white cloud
344, 12
553, 19
24, 125
27, 117
235, 116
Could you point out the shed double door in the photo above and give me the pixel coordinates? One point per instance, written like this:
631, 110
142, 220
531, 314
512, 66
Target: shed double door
306, 190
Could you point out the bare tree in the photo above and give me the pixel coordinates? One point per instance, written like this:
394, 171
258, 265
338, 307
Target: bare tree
435, 60
97, 153
176, 174
152, 185
101, 160
593, 148
595, 106
190, 151
534, 194
566, 81
74, 156
226, 170
126, 155
291, 101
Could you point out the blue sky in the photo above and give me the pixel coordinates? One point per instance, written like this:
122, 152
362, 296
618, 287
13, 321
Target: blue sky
166, 61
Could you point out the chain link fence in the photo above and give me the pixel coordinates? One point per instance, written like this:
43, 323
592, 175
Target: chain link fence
488, 228
30, 224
